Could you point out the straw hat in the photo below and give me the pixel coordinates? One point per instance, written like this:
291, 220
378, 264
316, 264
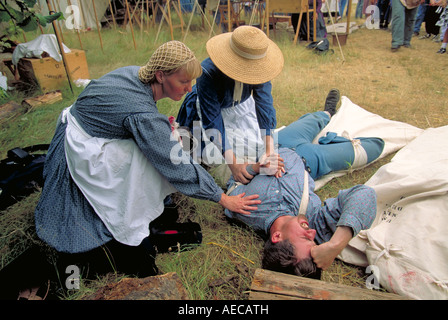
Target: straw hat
246, 55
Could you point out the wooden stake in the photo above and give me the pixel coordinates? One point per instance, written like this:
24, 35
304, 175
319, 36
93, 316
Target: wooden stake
191, 18
112, 13
84, 21
314, 19
170, 22
213, 22
147, 14
267, 18
348, 17
61, 48
59, 26
97, 25
229, 17
77, 30
130, 23
335, 33
161, 21
154, 8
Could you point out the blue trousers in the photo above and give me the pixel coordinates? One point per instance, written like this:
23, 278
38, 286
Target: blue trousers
403, 20
331, 154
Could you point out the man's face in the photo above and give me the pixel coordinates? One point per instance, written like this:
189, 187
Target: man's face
298, 232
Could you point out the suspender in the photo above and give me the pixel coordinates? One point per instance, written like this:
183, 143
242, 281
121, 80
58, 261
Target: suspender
305, 195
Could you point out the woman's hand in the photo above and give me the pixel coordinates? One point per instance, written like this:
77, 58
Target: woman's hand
239, 203
240, 173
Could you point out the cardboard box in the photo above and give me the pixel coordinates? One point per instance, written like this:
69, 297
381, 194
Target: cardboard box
50, 74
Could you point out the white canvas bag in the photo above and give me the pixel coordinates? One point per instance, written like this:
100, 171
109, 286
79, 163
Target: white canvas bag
407, 243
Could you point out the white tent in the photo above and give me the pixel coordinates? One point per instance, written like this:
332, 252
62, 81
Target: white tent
78, 14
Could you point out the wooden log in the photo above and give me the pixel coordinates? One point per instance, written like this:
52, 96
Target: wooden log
48, 98
11, 109
270, 285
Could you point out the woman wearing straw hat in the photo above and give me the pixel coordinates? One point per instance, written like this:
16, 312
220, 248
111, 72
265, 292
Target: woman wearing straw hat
110, 167
235, 84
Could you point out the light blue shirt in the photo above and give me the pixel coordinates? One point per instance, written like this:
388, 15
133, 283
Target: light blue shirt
354, 207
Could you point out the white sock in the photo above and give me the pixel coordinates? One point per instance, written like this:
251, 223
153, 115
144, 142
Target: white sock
443, 45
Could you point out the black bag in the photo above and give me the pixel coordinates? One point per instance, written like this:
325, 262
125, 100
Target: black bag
320, 47
21, 173
173, 236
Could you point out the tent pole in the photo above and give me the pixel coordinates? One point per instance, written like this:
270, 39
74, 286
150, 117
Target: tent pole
348, 17
336, 34
97, 25
112, 13
154, 9
84, 20
61, 48
170, 22
213, 22
167, 18
204, 16
147, 14
191, 18
161, 21
58, 23
130, 23
315, 19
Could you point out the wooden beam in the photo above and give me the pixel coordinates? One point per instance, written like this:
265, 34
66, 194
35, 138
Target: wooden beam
272, 285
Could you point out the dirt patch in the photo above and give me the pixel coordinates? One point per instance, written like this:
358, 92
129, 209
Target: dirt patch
162, 287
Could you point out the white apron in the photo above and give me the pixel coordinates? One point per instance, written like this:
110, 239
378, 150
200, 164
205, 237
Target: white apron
242, 132
122, 186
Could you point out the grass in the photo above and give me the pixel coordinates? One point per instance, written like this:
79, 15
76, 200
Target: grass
405, 86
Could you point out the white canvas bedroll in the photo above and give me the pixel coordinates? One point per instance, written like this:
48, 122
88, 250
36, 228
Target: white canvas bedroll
407, 245
353, 121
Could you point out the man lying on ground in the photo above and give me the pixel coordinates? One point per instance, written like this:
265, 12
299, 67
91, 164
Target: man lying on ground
304, 236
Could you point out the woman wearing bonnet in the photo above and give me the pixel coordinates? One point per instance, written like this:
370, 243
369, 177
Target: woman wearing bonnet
232, 100
110, 166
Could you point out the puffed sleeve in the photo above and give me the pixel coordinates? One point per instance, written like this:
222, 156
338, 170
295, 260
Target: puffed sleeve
264, 107
358, 207
212, 89
152, 133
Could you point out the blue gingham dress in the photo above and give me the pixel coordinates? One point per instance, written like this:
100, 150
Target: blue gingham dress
116, 106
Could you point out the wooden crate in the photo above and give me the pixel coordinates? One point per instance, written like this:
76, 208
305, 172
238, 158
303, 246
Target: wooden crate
50, 74
270, 285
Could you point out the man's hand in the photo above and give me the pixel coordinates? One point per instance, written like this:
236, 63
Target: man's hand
272, 165
239, 203
325, 253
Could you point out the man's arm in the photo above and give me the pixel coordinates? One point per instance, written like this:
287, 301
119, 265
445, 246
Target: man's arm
324, 254
358, 210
